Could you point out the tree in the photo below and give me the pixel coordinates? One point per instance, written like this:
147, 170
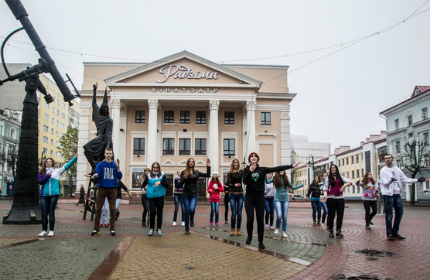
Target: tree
10, 159
412, 159
68, 147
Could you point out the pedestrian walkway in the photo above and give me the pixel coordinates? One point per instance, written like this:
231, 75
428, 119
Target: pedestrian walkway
210, 252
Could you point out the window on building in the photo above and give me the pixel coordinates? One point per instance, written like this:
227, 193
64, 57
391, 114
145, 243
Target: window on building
396, 124
229, 147
228, 117
356, 158
425, 139
63, 126
168, 146
52, 131
46, 106
352, 174
343, 161
53, 110
63, 105
63, 115
352, 159
265, 118
358, 173
139, 146
45, 151
45, 128
45, 139
410, 120
427, 185
139, 116
397, 146
362, 172
424, 113
51, 152
46, 116
347, 174
169, 116
58, 123
201, 117
200, 147
184, 146
184, 117
52, 141
347, 161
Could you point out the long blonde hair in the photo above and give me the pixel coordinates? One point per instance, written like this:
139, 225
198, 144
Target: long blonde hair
143, 176
232, 165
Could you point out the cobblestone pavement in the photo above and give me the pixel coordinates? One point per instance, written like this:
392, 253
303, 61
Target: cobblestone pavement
210, 252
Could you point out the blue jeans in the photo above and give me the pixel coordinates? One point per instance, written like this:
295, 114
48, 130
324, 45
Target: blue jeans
270, 210
48, 204
315, 208
236, 205
190, 203
177, 198
214, 210
390, 202
323, 205
281, 213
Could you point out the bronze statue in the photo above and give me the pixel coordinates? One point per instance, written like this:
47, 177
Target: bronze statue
94, 149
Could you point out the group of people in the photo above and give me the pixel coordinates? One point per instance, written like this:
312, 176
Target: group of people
264, 191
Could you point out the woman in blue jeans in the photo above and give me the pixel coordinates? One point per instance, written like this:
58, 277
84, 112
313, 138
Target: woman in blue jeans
49, 178
190, 194
282, 200
177, 198
314, 191
235, 189
269, 197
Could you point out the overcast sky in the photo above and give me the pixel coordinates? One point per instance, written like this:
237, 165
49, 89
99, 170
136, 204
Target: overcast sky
342, 75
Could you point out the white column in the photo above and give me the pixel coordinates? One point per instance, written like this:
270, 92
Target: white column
213, 149
250, 120
115, 105
151, 152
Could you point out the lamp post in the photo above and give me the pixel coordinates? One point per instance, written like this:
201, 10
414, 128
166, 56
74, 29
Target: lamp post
311, 164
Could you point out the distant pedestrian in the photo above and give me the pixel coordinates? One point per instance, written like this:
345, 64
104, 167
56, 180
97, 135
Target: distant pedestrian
143, 197
177, 198
282, 200
157, 185
334, 185
380, 203
214, 189
49, 178
121, 187
314, 192
254, 177
107, 173
189, 178
81, 195
391, 187
369, 197
269, 199
235, 194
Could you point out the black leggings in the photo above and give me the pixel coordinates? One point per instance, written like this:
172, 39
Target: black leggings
145, 205
367, 205
156, 206
257, 202
226, 200
335, 207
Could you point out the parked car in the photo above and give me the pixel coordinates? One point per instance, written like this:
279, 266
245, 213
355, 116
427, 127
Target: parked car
297, 197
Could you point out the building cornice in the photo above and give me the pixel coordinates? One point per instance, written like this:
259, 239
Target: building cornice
407, 103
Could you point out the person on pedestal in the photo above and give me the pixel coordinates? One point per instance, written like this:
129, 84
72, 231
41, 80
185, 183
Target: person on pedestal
49, 178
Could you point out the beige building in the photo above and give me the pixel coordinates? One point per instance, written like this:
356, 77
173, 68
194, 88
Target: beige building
184, 106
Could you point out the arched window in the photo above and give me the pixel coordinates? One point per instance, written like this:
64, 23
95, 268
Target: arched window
12, 133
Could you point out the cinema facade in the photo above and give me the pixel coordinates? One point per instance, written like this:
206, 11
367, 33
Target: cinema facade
184, 106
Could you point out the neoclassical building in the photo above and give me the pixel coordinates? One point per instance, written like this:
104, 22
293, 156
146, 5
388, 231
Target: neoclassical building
184, 106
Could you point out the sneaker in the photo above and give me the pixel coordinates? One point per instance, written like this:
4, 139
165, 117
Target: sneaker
112, 232
192, 224
151, 232
94, 232
183, 224
331, 234
159, 232
370, 222
315, 223
248, 241
322, 224
216, 224
261, 245
187, 232
43, 233
284, 234
51, 233
174, 224
339, 234
398, 237
390, 237
368, 227
379, 214
276, 231
210, 224
267, 226
272, 228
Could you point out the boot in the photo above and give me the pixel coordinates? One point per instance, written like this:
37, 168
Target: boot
238, 232
232, 232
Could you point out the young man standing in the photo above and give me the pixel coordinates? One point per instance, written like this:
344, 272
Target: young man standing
391, 189
108, 173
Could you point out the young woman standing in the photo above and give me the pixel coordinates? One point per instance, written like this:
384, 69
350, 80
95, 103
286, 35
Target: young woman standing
143, 197
214, 189
235, 189
334, 185
177, 198
254, 177
369, 197
157, 185
282, 200
269, 197
314, 191
323, 204
190, 194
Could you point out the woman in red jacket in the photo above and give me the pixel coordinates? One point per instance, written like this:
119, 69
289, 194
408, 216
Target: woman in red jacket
214, 190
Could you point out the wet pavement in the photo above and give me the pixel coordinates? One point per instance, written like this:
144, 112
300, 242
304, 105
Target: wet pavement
210, 252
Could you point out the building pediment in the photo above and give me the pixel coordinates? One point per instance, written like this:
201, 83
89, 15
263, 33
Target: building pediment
182, 69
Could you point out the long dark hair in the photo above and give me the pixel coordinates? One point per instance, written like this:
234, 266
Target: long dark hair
43, 169
332, 179
152, 169
365, 180
314, 182
278, 182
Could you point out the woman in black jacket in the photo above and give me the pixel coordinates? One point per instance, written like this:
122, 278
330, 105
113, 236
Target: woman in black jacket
235, 189
190, 194
315, 190
254, 177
